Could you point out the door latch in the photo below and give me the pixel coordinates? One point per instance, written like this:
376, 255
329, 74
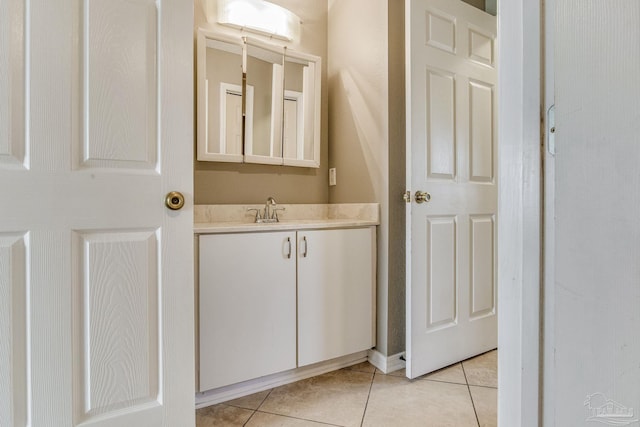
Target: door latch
551, 130
407, 196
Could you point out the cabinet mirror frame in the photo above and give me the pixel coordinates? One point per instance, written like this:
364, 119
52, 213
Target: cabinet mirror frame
265, 132
294, 131
212, 146
301, 143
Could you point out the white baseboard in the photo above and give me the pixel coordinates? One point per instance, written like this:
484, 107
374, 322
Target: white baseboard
234, 391
386, 363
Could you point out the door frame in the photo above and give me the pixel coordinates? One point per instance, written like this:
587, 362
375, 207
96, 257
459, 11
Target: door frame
520, 89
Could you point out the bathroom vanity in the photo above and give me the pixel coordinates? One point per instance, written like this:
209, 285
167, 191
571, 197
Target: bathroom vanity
283, 296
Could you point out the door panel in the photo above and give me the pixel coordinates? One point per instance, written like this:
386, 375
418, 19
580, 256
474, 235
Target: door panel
441, 272
97, 271
451, 297
117, 296
13, 343
119, 83
483, 278
441, 124
12, 94
481, 139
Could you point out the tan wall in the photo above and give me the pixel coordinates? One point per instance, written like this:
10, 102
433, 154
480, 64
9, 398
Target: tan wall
397, 180
222, 183
359, 127
480, 4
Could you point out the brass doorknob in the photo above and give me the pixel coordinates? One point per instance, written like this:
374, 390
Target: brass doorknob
422, 197
174, 200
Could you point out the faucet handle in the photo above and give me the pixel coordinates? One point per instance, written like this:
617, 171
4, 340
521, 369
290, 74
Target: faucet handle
257, 213
275, 213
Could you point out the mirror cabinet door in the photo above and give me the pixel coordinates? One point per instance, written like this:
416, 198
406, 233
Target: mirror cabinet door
219, 84
301, 117
263, 135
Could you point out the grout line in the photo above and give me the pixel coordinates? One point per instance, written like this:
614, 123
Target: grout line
364, 413
301, 419
249, 419
256, 410
473, 405
264, 400
244, 407
483, 386
440, 381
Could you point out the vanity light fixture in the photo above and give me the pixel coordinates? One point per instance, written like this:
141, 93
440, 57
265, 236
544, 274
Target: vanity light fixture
261, 17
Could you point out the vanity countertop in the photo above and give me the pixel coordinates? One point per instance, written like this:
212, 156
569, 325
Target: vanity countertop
235, 218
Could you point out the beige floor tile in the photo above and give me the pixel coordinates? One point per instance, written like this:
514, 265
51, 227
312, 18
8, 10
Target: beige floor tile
450, 374
399, 402
222, 415
485, 401
399, 373
482, 370
253, 401
338, 397
261, 419
363, 367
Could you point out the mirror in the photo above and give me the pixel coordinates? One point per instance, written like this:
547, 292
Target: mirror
301, 110
219, 127
281, 96
263, 137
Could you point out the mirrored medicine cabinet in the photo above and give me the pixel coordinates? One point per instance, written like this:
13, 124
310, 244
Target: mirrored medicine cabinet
257, 102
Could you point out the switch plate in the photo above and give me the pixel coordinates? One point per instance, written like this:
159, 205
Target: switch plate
332, 176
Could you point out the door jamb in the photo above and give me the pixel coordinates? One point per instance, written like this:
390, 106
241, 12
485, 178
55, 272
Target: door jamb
520, 212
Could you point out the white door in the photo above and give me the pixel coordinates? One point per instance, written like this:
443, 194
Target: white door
231, 133
96, 295
451, 145
592, 335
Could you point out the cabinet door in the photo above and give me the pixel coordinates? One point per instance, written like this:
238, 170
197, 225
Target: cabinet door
247, 304
335, 293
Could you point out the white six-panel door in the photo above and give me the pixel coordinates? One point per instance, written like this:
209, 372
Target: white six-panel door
96, 296
451, 94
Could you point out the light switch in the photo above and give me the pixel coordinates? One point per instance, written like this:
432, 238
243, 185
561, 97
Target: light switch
332, 176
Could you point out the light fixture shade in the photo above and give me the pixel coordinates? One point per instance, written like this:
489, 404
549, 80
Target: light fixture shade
260, 17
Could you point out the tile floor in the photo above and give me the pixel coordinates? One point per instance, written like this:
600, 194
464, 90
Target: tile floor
464, 394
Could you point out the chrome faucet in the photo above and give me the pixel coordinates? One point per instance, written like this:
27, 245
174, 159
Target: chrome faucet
269, 213
269, 207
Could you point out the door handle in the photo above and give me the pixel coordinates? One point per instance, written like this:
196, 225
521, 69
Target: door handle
422, 197
174, 200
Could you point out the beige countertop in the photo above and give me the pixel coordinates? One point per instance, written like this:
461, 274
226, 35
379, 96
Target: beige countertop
236, 219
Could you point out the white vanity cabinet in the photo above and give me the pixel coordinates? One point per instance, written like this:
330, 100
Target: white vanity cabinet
247, 306
336, 271
276, 300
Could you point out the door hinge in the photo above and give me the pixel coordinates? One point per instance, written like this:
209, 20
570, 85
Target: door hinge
551, 130
407, 196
